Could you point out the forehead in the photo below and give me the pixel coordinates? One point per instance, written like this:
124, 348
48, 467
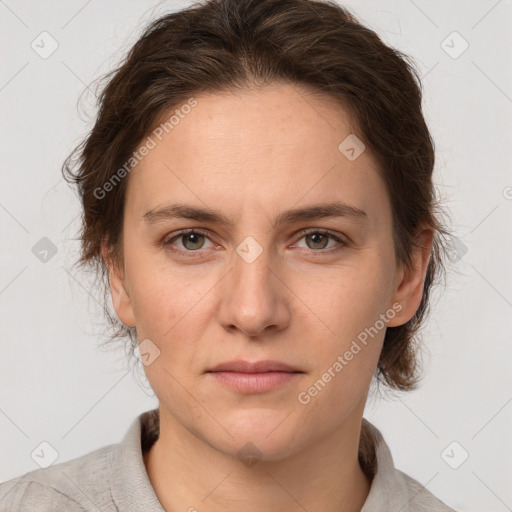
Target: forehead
262, 148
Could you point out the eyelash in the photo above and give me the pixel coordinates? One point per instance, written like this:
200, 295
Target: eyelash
192, 254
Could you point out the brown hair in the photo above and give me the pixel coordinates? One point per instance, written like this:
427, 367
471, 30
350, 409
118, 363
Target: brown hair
220, 45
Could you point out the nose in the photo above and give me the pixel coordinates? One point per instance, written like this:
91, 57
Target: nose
254, 297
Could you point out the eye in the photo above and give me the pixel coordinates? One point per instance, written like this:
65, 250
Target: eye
318, 240
191, 239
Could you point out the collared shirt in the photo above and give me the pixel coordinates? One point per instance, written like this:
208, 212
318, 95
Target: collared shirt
114, 479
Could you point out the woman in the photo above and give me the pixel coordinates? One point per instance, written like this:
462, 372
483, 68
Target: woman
257, 193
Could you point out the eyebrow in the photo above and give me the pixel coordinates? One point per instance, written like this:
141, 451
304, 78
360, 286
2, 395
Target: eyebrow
312, 212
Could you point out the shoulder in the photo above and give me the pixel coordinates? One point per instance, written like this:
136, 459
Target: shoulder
419, 498
77, 485
392, 489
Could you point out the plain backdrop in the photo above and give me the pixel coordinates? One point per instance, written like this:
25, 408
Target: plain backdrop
57, 386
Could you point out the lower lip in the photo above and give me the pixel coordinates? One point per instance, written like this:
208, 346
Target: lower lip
254, 382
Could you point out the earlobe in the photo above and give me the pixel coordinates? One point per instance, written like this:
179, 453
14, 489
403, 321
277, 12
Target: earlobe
118, 289
411, 280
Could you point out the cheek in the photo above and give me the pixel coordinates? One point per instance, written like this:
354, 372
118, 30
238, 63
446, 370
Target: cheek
346, 301
169, 310
347, 308
344, 359
164, 298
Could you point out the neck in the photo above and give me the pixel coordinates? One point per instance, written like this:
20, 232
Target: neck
188, 474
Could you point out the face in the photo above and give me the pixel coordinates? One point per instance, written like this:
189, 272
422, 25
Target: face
256, 282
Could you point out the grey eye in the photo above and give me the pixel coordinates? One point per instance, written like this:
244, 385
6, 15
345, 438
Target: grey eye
319, 240
192, 241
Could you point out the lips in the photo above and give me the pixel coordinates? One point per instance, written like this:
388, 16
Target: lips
257, 377
240, 366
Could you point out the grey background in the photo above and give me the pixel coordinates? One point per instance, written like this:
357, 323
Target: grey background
57, 386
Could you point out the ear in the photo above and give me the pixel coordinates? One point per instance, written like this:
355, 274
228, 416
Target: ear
118, 289
410, 281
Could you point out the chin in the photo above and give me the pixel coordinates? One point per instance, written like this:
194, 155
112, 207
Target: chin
259, 433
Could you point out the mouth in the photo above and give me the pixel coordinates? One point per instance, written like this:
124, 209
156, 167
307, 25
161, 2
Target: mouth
256, 367
257, 377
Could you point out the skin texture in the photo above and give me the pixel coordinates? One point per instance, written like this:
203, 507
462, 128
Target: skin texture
252, 155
